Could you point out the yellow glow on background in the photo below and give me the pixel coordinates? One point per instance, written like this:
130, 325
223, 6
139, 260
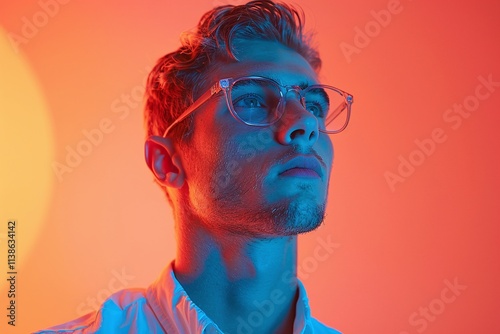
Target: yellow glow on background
26, 150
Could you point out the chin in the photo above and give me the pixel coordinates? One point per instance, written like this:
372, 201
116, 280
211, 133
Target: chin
298, 217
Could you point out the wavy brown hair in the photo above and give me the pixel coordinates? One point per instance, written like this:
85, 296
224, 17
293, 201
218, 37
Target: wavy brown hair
175, 80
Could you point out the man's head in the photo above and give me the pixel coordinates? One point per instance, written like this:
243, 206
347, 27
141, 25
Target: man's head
217, 170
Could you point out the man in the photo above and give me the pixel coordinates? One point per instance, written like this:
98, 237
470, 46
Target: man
238, 137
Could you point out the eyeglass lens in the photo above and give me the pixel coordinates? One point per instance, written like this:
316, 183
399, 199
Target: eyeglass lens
257, 101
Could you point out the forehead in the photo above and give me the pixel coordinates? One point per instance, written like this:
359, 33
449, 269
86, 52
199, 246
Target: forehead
265, 58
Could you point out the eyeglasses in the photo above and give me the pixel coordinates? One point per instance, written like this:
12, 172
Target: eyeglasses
259, 101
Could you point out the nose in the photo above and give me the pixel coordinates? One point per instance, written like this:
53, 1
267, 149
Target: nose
297, 126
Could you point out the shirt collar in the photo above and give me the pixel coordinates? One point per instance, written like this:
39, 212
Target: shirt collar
177, 313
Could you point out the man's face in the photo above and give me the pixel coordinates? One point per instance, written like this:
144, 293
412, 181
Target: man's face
238, 176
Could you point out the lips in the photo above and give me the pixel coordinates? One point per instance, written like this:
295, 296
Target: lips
302, 166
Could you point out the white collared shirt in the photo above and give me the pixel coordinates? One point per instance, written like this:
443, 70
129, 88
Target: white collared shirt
165, 307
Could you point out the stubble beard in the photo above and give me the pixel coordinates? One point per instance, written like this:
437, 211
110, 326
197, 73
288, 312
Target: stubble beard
255, 218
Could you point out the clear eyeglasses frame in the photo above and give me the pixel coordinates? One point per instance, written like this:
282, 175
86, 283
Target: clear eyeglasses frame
227, 85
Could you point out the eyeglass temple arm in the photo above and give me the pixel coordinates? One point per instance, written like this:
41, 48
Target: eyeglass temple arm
202, 99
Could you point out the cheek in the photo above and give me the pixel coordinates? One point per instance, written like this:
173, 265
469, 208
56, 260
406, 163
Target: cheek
242, 160
237, 157
215, 161
208, 139
201, 159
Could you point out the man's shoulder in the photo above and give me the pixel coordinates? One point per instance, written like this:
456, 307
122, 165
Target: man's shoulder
122, 311
126, 298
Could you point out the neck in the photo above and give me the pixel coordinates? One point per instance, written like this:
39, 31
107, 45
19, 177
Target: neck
243, 275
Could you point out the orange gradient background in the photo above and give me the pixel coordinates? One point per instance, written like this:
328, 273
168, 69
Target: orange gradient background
83, 68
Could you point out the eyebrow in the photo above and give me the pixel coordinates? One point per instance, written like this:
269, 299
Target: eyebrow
302, 84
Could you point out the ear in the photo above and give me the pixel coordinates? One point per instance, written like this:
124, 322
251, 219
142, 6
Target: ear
164, 161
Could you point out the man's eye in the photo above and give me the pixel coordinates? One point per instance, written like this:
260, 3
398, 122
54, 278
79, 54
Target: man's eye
315, 109
249, 101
